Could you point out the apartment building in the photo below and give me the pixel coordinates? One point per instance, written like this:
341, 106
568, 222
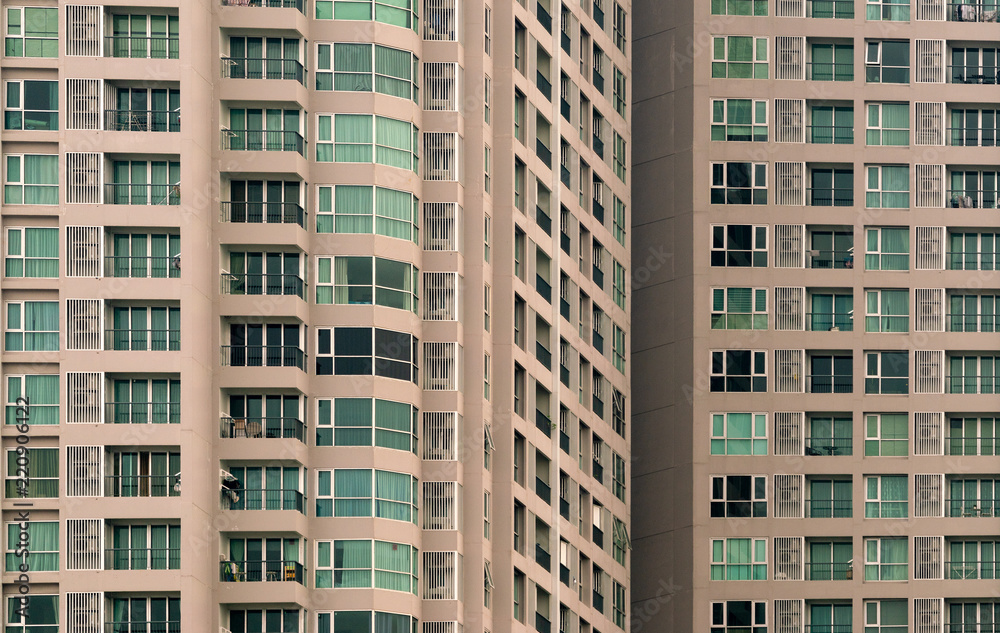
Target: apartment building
815, 402
281, 347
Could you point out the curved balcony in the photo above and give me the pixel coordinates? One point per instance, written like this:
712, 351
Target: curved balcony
261, 571
263, 141
262, 428
262, 68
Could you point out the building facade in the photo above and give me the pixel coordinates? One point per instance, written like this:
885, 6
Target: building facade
292, 341
821, 177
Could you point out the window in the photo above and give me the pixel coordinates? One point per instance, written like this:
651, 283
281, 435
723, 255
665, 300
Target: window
620, 25
973, 127
364, 563
830, 373
364, 67
972, 313
739, 496
887, 372
366, 281
487, 235
739, 371
886, 559
37, 472
486, 377
31, 179
394, 12
618, 476
367, 493
973, 189
739, 120
973, 497
40, 392
831, 187
841, 9
31, 105
739, 616
487, 29
739, 434
144, 36
973, 251
739, 308
487, 514
143, 400
619, 222
351, 421
739, 57
973, 65
519, 109
887, 248
739, 245
620, 92
487, 98
146, 182
739, 7
352, 351
131, 541
973, 374
832, 62
886, 435
487, 169
240, 620
887, 311
885, 616
350, 621
739, 559
618, 348
32, 32
621, 157
888, 124
41, 553
885, 497
972, 436
365, 209
739, 183
39, 613
832, 125
363, 138
888, 187
32, 252
32, 326
830, 498
892, 10
887, 62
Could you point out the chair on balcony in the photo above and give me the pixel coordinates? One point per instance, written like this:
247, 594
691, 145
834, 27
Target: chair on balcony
290, 573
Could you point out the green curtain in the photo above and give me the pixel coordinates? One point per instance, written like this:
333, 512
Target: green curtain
392, 566
41, 326
324, 422
393, 141
352, 65
392, 425
393, 495
324, 64
353, 205
394, 12
392, 71
324, 503
41, 253
353, 422
353, 136
394, 213
324, 565
43, 472
353, 493
352, 564
324, 281
44, 546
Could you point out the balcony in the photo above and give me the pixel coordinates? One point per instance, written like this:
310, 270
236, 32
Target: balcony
130, 626
970, 508
261, 356
543, 220
971, 136
543, 152
262, 571
836, 628
544, 85
829, 197
543, 423
542, 557
542, 624
826, 383
267, 4
973, 75
257, 499
543, 355
830, 134
972, 198
142, 340
141, 47
972, 570
543, 288
598, 145
840, 9
597, 209
263, 141
829, 571
543, 17
259, 212
543, 490
262, 428
140, 486
142, 267
973, 11
262, 68
830, 321
831, 259
142, 194
829, 71
972, 384
142, 412
564, 508
829, 446
829, 509
970, 445
598, 602
598, 80
142, 120
142, 559
263, 284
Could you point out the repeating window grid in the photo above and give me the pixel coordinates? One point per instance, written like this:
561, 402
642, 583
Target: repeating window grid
735, 308
739, 119
748, 180
743, 616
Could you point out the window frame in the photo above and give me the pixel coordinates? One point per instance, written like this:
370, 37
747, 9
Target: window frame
874, 560
877, 440
20, 184
721, 428
722, 568
722, 62
22, 257
881, 322
883, 255
721, 193
720, 617
876, 506
880, 130
20, 83
874, 368
757, 253
757, 504
373, 74
757, 317
758, 129
757, 377
23, 37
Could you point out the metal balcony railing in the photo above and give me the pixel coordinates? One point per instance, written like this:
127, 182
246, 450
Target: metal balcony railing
262, 68
831, 259
142, 559
142, 267
829, 571
140, 486
141, 47
830, 134
971, 137
972, 198
829, 445
142, 194
841, 9
142, 120
261, 571
828, 508
829, 71
826, 383
263, 141
973, 75
259, 212
256, 499
142, 412
971, 384
985, 508
544, 17
972, 570
275, 4
829, 321
130, 626
830, 197
974, 11
263, 356
142, 340
263, 284
262, 428
971, 445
